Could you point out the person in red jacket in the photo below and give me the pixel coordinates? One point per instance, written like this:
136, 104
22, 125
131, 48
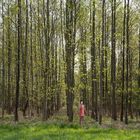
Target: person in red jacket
81, 112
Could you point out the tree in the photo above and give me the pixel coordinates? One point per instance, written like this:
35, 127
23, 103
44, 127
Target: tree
25, 78
70, 52
123, 63
102, 63
93, 67
113, 60
106, 58
3, 62
31, 59
139, 63
18, 62
9, 62
47, 61
127, 64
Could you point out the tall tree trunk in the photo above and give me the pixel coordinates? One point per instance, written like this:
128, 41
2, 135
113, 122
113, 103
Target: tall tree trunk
47, 63
139, 62
25, 86
102, 64
9, 64
131, 85
18, 62
40, 40
123, 63
57, 89
113, 61
93, 68
70, 38
3, 62
31, 60
139, 66
127, 64
52, 64
106, 60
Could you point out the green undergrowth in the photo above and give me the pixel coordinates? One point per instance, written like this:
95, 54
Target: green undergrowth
64, 131
57, 127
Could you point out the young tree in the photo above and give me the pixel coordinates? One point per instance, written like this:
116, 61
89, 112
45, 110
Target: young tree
9, 62
47, 61
93, 67
31, 59
18, 62
106, 58
3, 62
25, 78
102, 63
123, 63
127, 64
113, 60
139, 63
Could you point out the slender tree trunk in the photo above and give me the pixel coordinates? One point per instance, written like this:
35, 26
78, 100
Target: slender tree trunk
31, 61
55, 70
131, 85
139, 62
40, 42
35, 73
113, 61
52, 64
47, 64
138, 109
106, 60
139, 67
123, 63
25, 86
9, 65
3, 63
102, 64
18, 62
127, 64
93, 68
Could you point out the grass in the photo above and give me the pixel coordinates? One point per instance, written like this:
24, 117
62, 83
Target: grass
64, 131
58, 128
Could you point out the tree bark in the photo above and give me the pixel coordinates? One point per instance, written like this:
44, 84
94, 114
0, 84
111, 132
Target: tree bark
127, 64
3, 62
113, 61
70, 52
9, 64
18, 62
25, 86
123, 63
93, 68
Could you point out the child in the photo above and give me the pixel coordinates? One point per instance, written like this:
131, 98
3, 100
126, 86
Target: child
81, 112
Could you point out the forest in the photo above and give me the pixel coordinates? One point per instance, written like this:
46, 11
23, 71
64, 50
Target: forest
54, 53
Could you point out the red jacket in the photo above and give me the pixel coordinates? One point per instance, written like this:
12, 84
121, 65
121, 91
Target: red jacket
82, 111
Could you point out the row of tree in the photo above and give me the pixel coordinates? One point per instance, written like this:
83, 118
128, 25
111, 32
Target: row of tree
55, 52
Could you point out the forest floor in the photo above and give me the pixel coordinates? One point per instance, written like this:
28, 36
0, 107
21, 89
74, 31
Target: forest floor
58, 128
